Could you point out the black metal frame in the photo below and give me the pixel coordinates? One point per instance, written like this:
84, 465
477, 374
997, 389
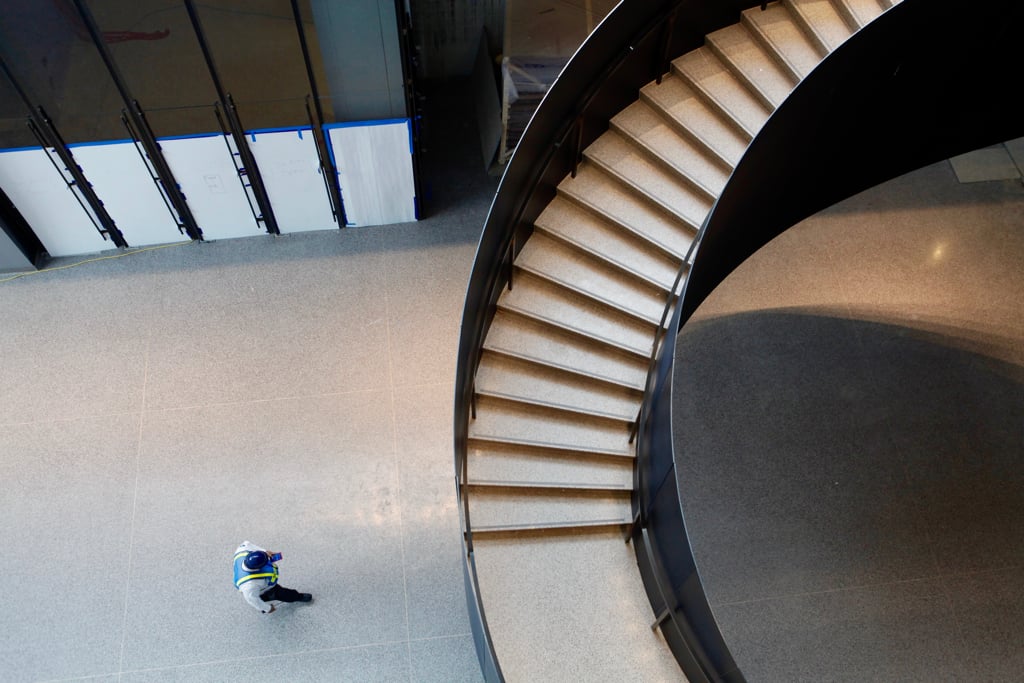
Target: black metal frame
875, 108
46, 133
626, 51
327, 168
140, 126
250, 170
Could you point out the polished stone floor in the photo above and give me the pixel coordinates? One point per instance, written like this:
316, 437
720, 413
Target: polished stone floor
849, 418
159, 408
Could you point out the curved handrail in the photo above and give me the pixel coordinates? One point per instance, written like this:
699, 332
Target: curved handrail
630, 47
870, 105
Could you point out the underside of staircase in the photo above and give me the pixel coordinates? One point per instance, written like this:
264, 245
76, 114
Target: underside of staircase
562, 373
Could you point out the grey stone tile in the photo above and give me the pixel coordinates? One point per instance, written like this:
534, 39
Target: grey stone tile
430, 517
990, 612
991, 163
266, 349
384, 663
72, 348
434, 583
314, 478
426, 290
902, 632
445, 660
66, 491
1016, 150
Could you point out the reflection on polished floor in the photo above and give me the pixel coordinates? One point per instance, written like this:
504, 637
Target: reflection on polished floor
294, 391
849, 429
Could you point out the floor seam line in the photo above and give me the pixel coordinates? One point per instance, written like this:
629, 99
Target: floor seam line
131, 523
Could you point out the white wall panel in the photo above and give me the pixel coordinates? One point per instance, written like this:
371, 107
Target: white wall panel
123, 184
374, 161
37, 190
295, 184
204, 170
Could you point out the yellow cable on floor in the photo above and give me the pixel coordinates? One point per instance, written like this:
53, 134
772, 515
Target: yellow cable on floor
93, 260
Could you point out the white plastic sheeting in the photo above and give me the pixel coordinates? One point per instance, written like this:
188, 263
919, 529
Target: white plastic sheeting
43, 198
203, 168
291, 172
126, 188
374, 161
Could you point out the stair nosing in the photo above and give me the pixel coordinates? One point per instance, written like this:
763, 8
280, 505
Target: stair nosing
583, 203
651, 153
750, 84
491, 438
549, 525
848, 15
604, 258
635, 189
641, 353
804, 24
548, 486
557, 407
714, 103
679, 126
519, 355
770, 47
553, 279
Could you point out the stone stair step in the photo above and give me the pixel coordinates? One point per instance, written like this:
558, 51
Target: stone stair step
502, 509
569, 222
778, 30
823, 21
545, 301
537, 588
688, 113
630, 166
575, 270
755, 66
595, 190
862, 12
705, 72
650, 132
526, 425
512, 463
537, 342
513, 379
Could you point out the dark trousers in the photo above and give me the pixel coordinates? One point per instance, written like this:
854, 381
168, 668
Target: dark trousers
281, 593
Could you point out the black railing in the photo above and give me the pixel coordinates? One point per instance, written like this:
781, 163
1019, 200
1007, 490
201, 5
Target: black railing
626, 51
879, 106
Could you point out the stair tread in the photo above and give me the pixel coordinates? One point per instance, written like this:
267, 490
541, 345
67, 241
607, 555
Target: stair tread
824, 20
572, 268
567, 524
524, 424
777, 27
753, 61
706, 72
552, 487
558, 306
651, 132
571, 223
603, 194
863, 11
681, 105
496, 462
491, 508
634, 168
540, 343
504, 376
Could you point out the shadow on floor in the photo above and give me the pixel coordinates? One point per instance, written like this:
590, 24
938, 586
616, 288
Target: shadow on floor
853, 492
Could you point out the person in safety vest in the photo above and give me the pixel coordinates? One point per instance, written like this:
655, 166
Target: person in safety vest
256, 578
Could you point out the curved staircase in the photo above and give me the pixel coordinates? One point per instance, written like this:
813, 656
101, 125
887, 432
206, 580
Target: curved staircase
564, 364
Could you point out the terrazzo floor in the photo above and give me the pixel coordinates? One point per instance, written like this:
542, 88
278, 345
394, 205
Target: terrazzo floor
849, 428
159, 408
